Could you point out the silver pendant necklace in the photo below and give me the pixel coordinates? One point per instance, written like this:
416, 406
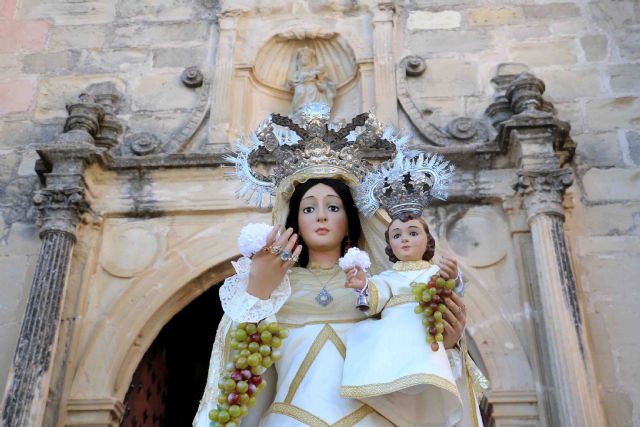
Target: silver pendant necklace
323, 297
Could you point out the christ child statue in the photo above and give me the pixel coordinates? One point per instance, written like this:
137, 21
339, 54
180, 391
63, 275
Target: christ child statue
396, 364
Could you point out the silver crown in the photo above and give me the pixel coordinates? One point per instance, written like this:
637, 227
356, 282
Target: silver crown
307, 143
405, 186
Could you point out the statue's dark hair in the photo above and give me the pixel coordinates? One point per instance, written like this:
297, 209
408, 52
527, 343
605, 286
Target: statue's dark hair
431, 243
354, 230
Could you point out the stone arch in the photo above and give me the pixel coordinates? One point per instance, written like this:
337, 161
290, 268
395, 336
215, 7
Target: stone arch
357, 41
131, 323
501, 349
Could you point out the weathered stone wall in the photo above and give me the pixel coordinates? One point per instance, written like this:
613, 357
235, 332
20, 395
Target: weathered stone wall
588, 54
48, 53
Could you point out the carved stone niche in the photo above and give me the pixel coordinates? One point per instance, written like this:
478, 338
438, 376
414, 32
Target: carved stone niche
270, 80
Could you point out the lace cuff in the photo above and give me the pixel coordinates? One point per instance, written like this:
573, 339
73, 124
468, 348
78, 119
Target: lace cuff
460, 284
243, 307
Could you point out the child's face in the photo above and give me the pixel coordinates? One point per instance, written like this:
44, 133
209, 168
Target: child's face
408, 240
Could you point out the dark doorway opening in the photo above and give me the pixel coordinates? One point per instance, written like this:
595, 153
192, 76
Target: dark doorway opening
168, 383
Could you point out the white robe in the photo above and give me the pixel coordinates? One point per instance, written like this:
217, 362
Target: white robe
390, 366
304, 388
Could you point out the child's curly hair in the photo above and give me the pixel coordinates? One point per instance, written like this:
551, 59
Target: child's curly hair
431, 243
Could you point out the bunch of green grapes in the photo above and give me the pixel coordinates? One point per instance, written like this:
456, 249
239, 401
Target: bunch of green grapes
430, 298
254, 350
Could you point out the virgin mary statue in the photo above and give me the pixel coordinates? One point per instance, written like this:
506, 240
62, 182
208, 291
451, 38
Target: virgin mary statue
310, 82
314, 181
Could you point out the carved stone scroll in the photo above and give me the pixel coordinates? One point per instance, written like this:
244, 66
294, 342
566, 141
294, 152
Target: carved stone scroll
461, 134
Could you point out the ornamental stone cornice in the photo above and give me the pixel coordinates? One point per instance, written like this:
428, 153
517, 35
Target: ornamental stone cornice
531, 114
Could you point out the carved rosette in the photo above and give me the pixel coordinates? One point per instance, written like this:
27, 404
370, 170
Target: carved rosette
192, 77
143, 143
543, 190
60, 209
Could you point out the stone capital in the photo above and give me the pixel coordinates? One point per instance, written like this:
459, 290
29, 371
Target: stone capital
62, 201
60, 209
543, 191
383, 12
228, 20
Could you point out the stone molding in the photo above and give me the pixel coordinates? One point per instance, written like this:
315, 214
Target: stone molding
92, 412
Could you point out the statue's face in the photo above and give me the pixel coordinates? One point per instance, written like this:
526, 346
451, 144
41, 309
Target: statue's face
322, 219
305, 57
408, 240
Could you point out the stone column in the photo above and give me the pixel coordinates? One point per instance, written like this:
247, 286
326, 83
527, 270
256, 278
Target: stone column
384, 64
60, 205
367, 86
541, 146
221, 82
240, 105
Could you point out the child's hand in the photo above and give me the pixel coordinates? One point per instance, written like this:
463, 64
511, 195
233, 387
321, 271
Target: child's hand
448, 267
454, 320
356, 278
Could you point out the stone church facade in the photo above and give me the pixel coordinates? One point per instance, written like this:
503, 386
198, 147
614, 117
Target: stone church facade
115, 213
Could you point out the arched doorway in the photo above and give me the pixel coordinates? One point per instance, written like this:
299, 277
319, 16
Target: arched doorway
168, 383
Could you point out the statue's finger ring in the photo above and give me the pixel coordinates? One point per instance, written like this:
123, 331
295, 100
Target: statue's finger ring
294, 258
275, 250
286, 256
459, 310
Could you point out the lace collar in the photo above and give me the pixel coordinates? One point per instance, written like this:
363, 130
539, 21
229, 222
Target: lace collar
411, 265
319, 268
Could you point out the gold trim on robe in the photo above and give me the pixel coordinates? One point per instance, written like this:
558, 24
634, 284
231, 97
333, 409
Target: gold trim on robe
411, 265
318, 322
400, 299
309, 419
373, 299
371, 390
326, 334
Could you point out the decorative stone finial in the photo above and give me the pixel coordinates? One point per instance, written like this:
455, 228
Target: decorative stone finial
525, 93
85, 115
110, 99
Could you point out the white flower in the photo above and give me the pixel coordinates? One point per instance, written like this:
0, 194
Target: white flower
253, 237
355, 258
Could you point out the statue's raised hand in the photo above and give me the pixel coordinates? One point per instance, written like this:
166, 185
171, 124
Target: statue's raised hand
269, 266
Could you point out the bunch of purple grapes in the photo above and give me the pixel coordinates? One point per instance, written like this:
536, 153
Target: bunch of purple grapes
255, 350
430, 298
